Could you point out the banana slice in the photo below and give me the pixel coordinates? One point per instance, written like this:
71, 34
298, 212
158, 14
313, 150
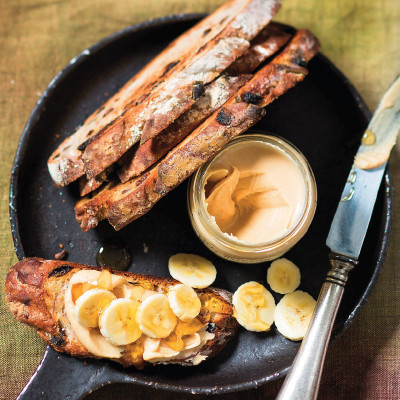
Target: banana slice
134, 292
104, 281
85, 280
184, 302
192, 269
90, 304
128, 291
293, 314
254, 307
155, 317
118, 322
283, 276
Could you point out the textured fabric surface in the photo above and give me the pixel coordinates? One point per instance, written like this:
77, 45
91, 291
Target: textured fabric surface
38, 37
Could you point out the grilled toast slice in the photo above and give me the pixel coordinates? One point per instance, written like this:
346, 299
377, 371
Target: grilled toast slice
126, 202
41, 293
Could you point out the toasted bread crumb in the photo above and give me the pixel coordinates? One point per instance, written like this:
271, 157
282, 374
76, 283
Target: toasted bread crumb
61, 255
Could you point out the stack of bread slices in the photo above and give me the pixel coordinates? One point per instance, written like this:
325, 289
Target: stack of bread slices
209, 85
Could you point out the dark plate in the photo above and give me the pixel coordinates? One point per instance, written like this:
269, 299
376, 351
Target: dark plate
323, 116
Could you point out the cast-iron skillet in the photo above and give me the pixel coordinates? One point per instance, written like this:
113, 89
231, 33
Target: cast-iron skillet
324, 117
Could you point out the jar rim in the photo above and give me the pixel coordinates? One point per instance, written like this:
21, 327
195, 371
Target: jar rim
196, 185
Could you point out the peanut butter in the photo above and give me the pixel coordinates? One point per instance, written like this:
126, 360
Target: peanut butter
254, 192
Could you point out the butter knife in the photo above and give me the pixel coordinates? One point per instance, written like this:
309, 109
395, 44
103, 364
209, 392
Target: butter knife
345, 240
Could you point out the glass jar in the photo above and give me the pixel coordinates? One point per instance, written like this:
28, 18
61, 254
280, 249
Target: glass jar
230, 247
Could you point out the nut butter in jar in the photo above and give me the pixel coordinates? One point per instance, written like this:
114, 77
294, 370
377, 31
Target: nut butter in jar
254, 200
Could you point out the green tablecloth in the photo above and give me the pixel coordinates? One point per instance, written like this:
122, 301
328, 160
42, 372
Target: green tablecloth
362, 37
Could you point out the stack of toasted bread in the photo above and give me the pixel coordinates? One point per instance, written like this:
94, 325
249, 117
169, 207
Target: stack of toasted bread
206, 87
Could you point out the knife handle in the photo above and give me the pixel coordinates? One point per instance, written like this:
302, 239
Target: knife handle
302, 382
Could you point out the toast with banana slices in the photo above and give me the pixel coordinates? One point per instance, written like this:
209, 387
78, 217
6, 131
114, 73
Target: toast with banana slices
171, 80
87, 312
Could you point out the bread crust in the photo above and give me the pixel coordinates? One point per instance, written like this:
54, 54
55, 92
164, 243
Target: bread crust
87, 185
35, 295
264, 45
90, 211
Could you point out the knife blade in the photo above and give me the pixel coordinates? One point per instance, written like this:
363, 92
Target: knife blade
351, 220
345, 239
